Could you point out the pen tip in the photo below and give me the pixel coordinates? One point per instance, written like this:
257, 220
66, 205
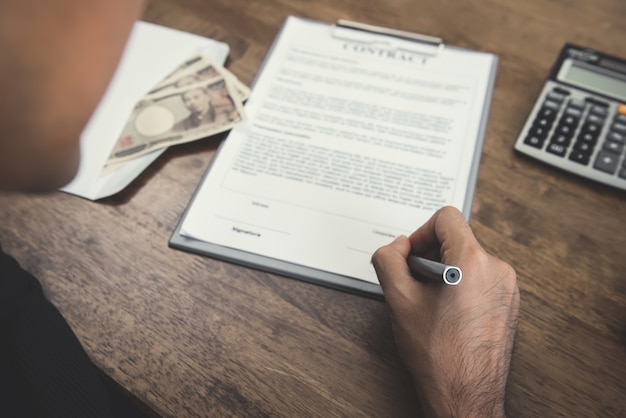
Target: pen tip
453, 275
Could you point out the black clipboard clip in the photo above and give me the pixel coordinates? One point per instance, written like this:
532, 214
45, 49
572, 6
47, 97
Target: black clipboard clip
347, 30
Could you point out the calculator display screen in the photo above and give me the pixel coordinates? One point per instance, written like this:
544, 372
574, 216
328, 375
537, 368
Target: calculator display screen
595, 80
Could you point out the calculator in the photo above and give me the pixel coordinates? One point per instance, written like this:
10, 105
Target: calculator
578, 122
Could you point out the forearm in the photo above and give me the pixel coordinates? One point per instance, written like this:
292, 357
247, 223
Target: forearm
56, 61
471, 384
479, 399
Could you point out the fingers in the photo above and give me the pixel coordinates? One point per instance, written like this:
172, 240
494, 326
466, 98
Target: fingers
391, 266
446, 234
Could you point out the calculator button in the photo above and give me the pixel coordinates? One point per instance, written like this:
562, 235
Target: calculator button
577, 103
561, 91
620, 118
579, 157
542, 122
547, 113
551, 104
584, 147
619, 127
572, 111
614, 147
569, 120
600, 111
592, 128
606, 162
616, 136
539, 131
588, 137
596, 102
595, 119
621, 109
533, 141
566, 130
556, 96
561, 140
622, 170
556, 149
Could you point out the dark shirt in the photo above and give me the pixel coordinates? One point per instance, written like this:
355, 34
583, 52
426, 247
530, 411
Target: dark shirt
44, 371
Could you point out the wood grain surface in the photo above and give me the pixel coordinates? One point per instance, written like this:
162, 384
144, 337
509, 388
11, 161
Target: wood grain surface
195, 337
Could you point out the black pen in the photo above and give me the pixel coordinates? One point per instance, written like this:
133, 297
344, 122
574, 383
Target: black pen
432, 270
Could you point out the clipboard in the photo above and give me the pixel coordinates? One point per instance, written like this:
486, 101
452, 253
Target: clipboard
423, 46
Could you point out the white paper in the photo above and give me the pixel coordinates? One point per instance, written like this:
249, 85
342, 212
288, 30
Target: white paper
151, 53
348, 145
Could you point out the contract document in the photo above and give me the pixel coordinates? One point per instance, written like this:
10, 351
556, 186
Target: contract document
354, 137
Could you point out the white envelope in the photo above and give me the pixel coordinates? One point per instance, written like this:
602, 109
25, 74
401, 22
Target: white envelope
152, 52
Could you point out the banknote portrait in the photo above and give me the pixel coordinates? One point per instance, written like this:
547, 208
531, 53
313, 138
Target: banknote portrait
181, 115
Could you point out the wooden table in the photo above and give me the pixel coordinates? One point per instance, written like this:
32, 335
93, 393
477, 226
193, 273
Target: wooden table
193, 336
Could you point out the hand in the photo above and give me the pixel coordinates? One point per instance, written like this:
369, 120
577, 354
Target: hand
455, 340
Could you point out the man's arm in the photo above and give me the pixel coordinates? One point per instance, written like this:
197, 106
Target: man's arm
455, 340
56, 59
